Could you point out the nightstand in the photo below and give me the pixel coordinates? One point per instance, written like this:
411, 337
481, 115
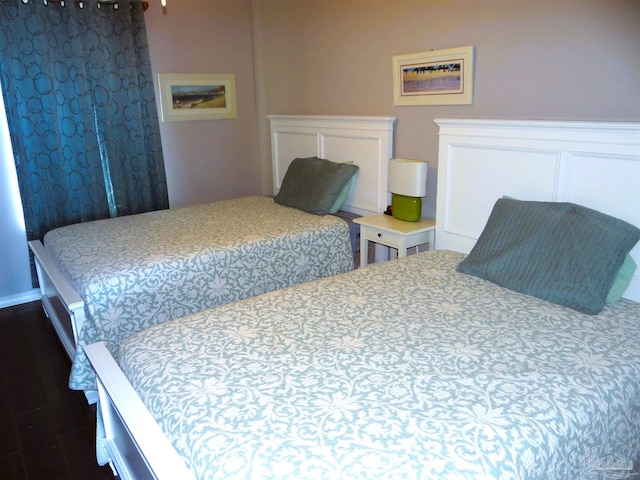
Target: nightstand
394, 233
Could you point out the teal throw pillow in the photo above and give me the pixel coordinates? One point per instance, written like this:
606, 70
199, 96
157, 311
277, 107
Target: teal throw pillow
561, 252
314, 184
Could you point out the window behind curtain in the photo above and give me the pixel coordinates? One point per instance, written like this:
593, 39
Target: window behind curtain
15, 280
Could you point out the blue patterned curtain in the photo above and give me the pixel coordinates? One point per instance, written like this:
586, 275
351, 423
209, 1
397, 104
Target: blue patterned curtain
80, 103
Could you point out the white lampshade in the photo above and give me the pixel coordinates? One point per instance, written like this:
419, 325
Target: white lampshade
408, 177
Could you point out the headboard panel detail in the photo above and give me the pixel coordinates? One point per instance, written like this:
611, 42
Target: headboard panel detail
592, 164
365, 141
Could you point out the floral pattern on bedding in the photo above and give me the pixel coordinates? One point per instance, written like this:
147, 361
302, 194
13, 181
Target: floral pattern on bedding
405, 369
137, 271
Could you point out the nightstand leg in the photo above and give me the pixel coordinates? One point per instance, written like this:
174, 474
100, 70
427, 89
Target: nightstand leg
364, 249
402, 250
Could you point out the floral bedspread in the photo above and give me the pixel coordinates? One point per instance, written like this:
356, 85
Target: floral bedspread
405, 369
137, 271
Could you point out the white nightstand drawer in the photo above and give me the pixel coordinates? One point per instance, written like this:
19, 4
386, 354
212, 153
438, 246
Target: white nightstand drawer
380, 236
393, 233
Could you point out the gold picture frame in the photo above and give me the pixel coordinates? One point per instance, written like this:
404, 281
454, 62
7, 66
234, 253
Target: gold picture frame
439, 77
197, 96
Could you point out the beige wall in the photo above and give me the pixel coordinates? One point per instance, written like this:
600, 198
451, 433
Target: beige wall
576, 60
535, 59
207, 160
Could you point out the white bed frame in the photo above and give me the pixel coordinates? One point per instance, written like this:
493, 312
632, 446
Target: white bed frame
479, 161
592, 164
365, 141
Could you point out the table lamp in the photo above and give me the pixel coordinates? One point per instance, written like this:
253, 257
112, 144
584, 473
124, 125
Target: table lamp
407, 184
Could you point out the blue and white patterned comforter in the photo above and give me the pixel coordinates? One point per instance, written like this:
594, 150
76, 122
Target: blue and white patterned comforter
137, 271
405, 369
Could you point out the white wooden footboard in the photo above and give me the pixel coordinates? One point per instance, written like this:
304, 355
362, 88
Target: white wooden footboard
135, 443
62, 304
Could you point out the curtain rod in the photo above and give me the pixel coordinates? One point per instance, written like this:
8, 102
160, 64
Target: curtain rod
145, 4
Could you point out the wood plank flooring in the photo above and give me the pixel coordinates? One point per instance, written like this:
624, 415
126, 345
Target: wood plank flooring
47, 431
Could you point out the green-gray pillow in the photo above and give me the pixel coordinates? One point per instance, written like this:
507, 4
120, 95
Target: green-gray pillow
314, 184
560, 252
623, 278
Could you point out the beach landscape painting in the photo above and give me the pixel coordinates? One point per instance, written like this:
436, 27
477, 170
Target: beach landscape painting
438, 77
197, 96
432, 78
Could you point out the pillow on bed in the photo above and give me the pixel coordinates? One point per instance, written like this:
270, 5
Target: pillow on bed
623, 279
560, 252
314, 184
337, 205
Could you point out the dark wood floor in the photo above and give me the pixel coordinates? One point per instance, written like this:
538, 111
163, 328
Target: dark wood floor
47, 431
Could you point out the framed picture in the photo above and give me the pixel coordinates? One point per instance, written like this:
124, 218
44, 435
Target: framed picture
197, 96
439, 77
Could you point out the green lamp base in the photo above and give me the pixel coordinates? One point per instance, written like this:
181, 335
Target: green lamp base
406, 208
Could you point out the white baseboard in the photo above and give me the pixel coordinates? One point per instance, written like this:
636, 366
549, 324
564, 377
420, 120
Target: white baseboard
20, 298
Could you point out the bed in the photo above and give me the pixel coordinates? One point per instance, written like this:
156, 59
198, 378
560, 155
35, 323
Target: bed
106, 279
425, 366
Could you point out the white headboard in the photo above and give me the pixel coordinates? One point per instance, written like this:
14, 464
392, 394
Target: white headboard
592, 164
365, 141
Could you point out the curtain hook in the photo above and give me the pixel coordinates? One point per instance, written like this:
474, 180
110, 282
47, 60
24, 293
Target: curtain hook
113, 3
